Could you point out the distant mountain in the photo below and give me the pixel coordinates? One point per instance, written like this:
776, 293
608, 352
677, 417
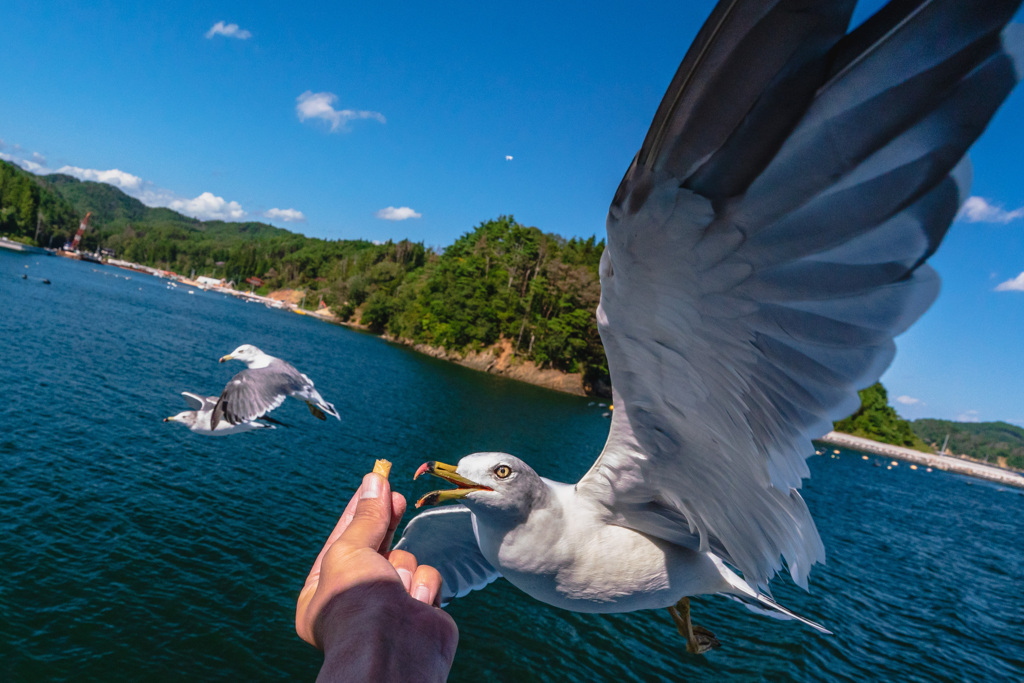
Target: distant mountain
998, 443
107, 203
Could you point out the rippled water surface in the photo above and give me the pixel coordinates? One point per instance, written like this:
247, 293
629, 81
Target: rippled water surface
135, 550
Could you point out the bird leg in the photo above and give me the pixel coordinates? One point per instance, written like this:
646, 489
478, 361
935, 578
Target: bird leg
317, 413
698, 639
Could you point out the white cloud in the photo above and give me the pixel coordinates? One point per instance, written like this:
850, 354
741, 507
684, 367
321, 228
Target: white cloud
229, 30
397, 214
286, 215
208, 207
979, 210
30, 166
1012, 285
908, 400
508, 157
969, 416
115, 177
320, 105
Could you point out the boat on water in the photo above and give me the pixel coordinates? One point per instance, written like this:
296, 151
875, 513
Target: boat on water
71, 249
80, 255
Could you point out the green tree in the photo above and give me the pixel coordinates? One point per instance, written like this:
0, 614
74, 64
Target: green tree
876, 419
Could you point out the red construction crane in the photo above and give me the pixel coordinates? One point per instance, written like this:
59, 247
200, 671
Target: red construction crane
81, 228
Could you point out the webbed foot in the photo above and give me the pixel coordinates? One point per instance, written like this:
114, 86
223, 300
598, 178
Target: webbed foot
698, 639
702, 641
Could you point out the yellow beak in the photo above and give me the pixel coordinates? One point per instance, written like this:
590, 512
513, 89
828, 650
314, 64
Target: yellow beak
169, 419
448, 473
224, 358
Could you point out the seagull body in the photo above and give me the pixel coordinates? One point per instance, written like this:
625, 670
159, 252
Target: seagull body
559, 545
767, 243
199, 418
548, 555
263, 386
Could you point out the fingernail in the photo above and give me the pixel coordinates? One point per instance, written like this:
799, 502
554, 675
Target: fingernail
373, 485
422, 594
406, 577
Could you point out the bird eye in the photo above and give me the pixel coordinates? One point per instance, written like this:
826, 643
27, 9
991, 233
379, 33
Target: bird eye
502, 471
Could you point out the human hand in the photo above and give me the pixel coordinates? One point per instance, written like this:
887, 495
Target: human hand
372, 610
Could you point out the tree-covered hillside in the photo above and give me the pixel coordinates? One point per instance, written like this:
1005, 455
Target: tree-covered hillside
500, 281
999, 443
31, 212
876, 419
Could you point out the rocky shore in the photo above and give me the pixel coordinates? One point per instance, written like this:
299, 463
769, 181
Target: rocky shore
500, 360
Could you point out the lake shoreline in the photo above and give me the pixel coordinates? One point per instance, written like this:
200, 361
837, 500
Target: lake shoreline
934, 460
500, 360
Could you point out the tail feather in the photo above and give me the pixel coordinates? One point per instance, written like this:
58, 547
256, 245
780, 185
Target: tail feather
764, 600
758, 602
765, 606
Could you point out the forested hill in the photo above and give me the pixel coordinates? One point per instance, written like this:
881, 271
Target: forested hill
877, 420
501, 280
999, 443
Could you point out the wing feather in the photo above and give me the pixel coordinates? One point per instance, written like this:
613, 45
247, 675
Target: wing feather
766, 246
444, 539
252, 393
194, 401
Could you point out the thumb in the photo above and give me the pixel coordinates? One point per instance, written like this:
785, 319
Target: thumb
372, 515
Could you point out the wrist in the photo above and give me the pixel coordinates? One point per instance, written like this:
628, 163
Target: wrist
377, 632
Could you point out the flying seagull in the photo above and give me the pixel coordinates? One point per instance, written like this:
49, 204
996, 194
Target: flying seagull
263, 386
765, 246
199, 419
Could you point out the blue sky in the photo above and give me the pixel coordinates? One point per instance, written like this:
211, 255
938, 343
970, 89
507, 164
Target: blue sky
420, 120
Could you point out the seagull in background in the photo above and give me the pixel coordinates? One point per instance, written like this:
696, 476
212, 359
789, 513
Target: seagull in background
262, 387
767, 243
199, 418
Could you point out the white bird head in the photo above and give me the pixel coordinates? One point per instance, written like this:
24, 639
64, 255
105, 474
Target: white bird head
487, 481
248, 354
187, 417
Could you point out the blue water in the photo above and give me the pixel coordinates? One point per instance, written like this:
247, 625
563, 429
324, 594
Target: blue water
133, 549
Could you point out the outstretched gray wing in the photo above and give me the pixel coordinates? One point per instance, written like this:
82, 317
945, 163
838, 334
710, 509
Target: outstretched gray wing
769, 242
444, 539
254, 392
197, 402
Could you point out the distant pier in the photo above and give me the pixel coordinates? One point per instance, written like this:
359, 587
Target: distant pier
935, 461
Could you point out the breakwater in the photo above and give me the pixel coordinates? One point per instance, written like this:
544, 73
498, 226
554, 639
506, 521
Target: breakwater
933, 460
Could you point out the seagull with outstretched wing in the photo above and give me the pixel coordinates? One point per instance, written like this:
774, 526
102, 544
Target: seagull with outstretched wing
764, 248
200, 418
263, 386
